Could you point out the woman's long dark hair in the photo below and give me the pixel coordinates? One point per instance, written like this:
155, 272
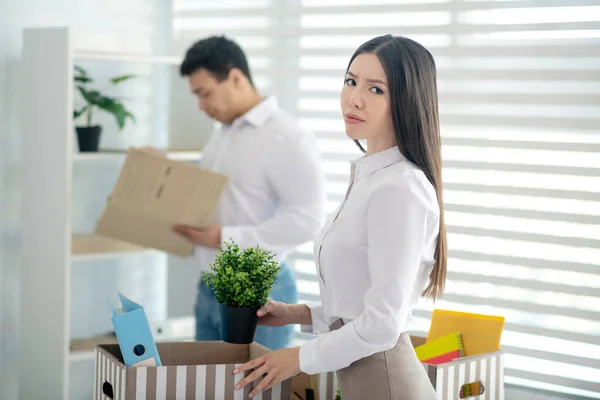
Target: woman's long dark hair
411, 75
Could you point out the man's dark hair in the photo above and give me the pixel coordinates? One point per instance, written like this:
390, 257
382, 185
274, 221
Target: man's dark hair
216, 54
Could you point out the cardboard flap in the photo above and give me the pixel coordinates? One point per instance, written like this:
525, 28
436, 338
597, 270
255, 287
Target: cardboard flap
257, 350
166, 189
137, 227
203, 353
152, 194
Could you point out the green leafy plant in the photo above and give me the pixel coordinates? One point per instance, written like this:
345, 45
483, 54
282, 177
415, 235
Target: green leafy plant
242, 278
338, 394
94, 99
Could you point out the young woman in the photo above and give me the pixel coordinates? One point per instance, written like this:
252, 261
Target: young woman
385, 246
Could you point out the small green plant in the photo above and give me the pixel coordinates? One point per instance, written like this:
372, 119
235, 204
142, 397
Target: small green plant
242, 278
94, 99
338, 394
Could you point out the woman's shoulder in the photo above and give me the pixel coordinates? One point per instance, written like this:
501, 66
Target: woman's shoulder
405, 181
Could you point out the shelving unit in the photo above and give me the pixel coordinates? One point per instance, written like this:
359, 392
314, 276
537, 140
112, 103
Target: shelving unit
49, 246
179, 155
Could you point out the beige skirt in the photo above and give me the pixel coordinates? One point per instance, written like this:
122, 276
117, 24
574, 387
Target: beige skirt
395, 374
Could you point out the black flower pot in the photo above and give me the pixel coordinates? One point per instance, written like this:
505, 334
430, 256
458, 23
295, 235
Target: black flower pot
88, 137
238, 324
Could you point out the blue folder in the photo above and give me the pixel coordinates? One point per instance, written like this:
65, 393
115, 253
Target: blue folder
134, 335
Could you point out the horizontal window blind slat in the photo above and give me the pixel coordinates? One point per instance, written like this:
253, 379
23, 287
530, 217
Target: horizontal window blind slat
590, 362
554, 379
526, 214
510, 167
581, 51
501, 189
533, 262
525, 237
524, 283
251, 28
524, 306
374, 7
522, 144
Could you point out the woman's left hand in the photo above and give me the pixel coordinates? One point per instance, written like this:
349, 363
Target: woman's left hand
274, 367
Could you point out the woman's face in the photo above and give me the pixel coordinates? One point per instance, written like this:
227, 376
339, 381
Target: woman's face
365, 103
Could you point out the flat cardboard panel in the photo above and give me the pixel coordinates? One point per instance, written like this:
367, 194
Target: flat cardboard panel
205, 353
152, 194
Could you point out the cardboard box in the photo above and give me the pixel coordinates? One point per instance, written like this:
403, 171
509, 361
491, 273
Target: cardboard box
323, 386
482, 375
190, 370
152, 194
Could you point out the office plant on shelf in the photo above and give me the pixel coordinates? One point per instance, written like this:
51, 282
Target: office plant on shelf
241, 281
88, 135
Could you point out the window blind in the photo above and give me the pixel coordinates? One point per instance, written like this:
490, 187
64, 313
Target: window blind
519, 87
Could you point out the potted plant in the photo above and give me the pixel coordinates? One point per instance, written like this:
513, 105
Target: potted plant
88, 135
241, 281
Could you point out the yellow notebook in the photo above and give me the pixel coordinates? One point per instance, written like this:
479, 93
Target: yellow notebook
480, 333
446, 344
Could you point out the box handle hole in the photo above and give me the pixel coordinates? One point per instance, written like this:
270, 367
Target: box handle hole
107, 390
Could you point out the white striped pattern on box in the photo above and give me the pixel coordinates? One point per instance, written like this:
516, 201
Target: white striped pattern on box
183, 382
447, 378
488, 369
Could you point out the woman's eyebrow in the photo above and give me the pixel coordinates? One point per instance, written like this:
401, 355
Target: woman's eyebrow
374, 80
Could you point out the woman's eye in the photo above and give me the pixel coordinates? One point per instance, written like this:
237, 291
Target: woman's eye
376, 90
350, 82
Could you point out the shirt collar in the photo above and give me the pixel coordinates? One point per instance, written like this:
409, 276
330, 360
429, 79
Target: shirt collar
366, 165
259, 114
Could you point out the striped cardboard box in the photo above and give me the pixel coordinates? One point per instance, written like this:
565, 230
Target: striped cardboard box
447, 379
180, 382
486, 369
324, 386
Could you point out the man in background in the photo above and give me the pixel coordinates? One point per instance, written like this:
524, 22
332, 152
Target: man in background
275, 195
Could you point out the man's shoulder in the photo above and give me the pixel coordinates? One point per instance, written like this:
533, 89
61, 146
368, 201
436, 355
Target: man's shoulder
284, 125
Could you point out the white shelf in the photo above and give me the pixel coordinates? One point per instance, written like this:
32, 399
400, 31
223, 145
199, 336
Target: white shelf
129, 57
179, 155
90, 246
175, 329
48, 246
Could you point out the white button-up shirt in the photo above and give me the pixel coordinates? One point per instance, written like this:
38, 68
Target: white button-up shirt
275, 195
374, 257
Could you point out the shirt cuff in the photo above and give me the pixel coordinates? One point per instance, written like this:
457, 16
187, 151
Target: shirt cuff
319, 325
308, 357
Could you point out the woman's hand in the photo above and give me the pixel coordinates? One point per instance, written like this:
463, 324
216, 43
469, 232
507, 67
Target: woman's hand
274, 313
274, 367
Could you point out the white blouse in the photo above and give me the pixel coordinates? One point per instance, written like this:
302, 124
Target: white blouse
374, 256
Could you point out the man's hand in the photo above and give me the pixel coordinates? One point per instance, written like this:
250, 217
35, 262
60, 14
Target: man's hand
274, 367
207, 237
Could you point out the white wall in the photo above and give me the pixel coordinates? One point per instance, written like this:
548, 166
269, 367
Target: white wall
133, 25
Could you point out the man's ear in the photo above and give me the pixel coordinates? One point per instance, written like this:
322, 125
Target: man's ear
237, 77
